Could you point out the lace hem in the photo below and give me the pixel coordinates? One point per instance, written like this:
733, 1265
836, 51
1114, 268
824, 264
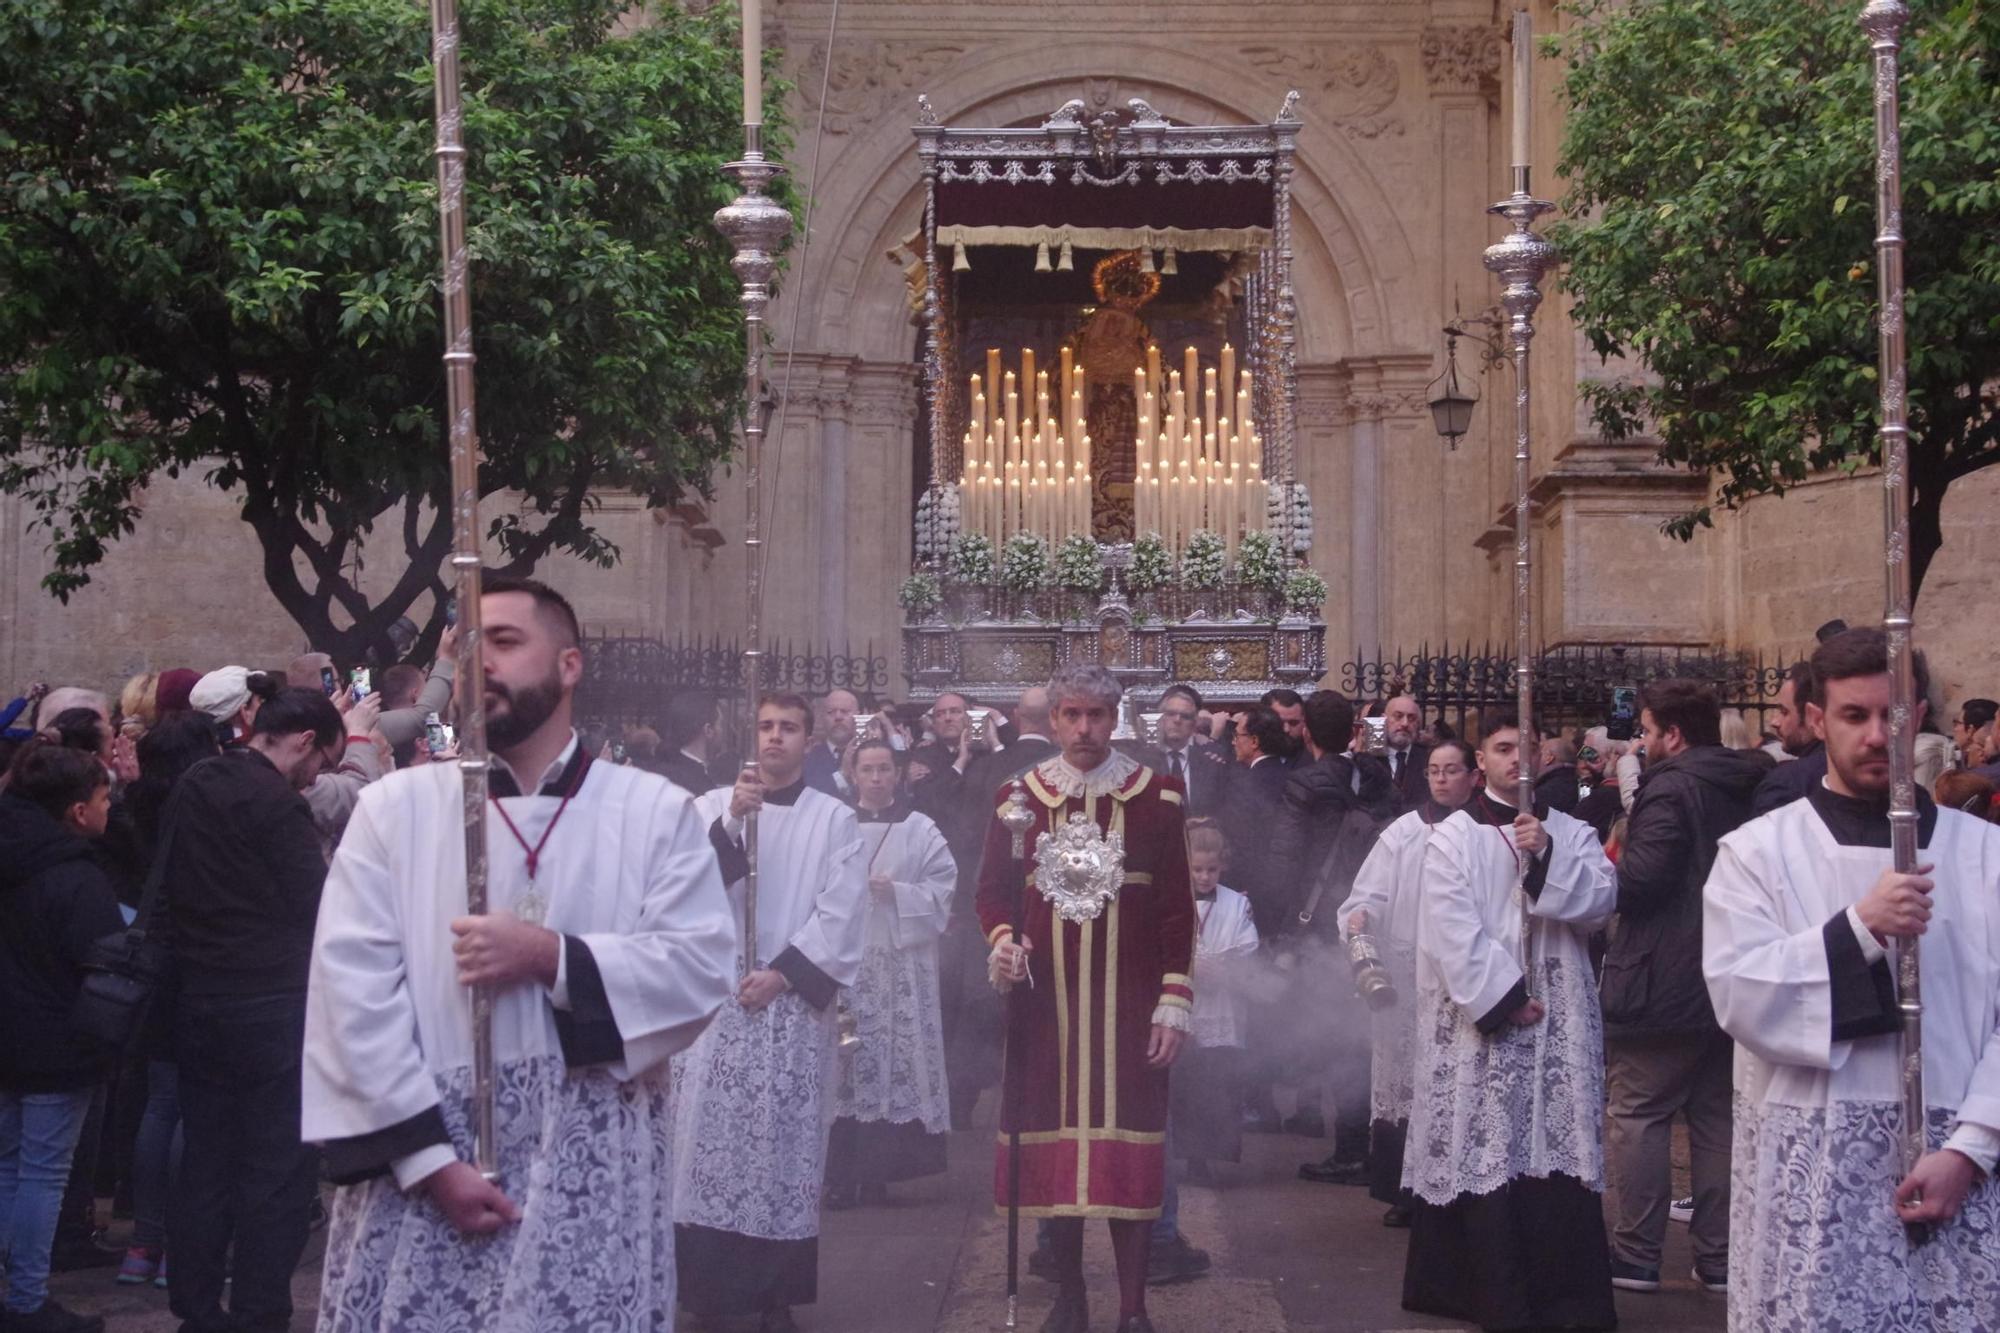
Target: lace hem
1815, 1246
1393, 1073
1522, 1102
752, 1106
583, 1155
897, 1072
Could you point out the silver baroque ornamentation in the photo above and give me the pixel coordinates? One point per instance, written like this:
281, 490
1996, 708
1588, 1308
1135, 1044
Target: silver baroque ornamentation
1079, 868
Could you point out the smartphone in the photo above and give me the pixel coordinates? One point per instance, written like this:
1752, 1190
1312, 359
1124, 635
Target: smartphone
434, 732
360, 684
618, 752
451, 611
1623, 722
329, 680
1376, 729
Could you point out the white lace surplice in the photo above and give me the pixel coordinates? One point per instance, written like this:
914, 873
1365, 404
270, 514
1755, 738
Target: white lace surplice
584, 1155
1525, 1101
630, 872
1225, 952
897, 1073
1815, 1246
752, 1106
1388, 888
753, 1099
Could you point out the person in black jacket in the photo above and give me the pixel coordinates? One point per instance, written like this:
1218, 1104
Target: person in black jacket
1664, 1052
55, 902
1319, 841
1788, 782
243, 881
691, 731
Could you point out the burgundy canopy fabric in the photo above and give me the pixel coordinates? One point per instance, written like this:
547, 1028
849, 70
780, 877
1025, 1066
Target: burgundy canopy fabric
1144, 203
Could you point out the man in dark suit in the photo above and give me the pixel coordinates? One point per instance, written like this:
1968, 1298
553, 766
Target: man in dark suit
1788, 782
836, 729
1200, 768
1249, 810
690, 734
1407, 756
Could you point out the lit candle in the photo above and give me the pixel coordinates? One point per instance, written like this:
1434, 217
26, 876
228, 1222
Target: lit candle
1191, 376
1013, 402
993, 370
1524, 58
1228, 367
1153, 370
753, 62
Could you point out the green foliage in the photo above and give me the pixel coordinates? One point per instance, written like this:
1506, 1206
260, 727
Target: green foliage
1721, 155
1152, 564
971, 559
219, 253
1080, 564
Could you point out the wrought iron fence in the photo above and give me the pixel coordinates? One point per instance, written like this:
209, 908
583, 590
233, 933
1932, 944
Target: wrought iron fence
1573, 684
631, 679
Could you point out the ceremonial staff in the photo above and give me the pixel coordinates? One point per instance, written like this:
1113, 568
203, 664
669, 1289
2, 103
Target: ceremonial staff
463, 433
1017, 819
1519, 261
1883, 20
758, 226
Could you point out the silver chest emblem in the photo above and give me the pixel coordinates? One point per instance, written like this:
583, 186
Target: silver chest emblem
1079, 869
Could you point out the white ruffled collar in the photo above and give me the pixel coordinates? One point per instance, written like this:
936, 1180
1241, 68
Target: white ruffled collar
1062, 776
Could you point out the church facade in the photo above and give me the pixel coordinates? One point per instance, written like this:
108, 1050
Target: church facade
1402, 149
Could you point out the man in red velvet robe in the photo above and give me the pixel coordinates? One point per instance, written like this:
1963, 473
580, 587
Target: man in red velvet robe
1106, 941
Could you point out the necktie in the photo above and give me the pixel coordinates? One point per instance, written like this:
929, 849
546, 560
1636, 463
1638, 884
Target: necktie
1174, 764
1396, 766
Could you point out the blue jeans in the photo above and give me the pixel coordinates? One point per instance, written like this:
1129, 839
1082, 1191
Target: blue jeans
38, 1133
156, 1155
1168, 1224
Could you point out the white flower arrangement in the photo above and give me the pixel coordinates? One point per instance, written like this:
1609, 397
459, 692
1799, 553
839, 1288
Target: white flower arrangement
937, 522
1305, 592
970, 559
1080, 564
921, 594
1152, 564
1024, 562
1203, 560
1259, 562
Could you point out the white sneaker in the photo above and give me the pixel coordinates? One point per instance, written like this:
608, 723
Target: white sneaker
1682, 1210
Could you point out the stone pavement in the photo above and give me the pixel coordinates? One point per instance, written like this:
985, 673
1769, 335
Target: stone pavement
1290, 1257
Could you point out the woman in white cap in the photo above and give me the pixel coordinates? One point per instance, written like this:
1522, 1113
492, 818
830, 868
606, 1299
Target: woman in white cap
232, 695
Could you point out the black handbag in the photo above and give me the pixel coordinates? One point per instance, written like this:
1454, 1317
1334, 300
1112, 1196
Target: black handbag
123, 970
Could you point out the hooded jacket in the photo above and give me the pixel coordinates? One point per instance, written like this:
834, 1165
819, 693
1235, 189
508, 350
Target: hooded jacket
55, 901
1652, 971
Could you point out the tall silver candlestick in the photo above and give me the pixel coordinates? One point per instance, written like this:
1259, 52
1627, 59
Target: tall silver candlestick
1883, 20
758, 226
462, 432
1520, 261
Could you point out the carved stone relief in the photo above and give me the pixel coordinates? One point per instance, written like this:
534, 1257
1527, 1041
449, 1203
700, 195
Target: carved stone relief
1352, 86
1463, 58
877, 81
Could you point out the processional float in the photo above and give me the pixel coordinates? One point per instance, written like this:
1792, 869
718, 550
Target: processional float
1109, 372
